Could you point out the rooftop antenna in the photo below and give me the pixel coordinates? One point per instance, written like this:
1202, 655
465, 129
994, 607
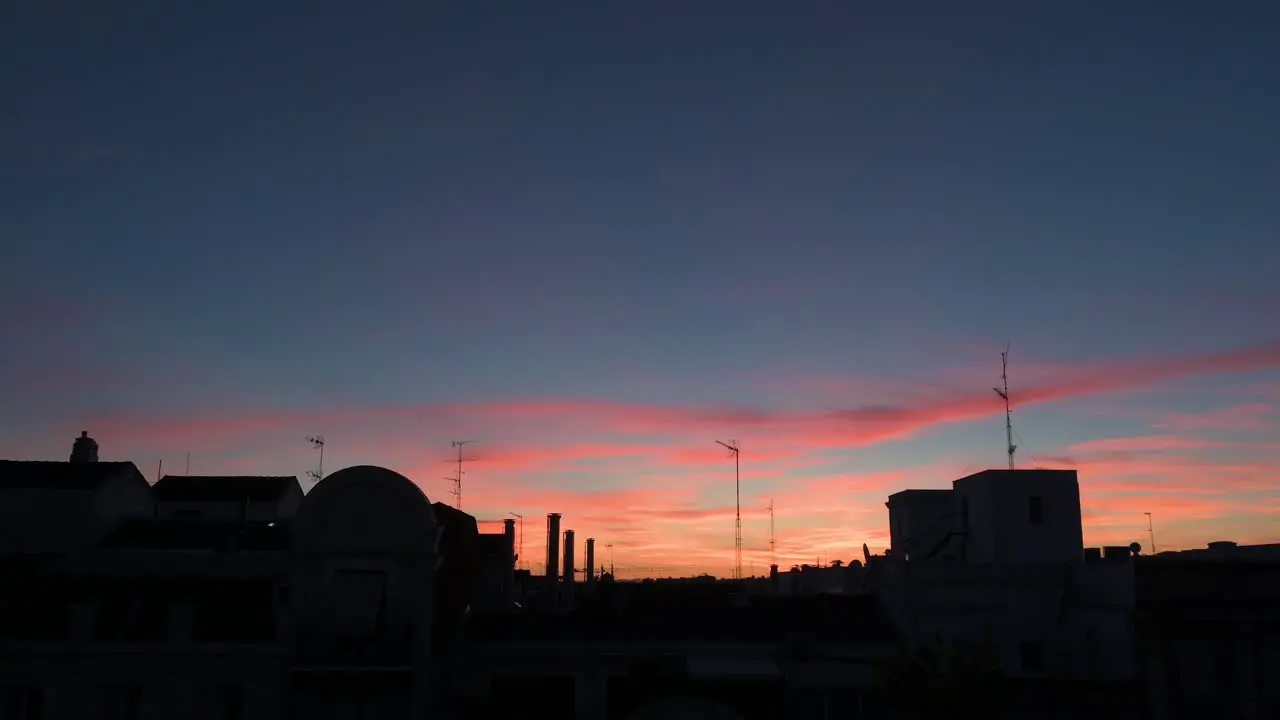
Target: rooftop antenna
159, 469
520, 539
773, 546
734, 449
1151, 532
1008, 411
317, 442
188, 464
457, 481
611, 575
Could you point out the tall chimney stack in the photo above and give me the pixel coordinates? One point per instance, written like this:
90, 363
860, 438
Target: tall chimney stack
509, 532
553, 547
84, 449
591, 562
568, 557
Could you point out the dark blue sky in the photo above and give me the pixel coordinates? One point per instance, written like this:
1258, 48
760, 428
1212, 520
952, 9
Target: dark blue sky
323, 204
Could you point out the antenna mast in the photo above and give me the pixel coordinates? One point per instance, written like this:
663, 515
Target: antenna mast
735, 450
317, 442
457, 479
1151, 532
773, 547
1008, 410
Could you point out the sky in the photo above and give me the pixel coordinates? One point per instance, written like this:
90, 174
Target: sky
596, 237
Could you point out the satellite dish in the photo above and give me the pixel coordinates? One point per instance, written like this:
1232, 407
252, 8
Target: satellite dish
1135, 548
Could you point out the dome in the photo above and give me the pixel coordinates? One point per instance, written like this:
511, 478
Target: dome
366, 509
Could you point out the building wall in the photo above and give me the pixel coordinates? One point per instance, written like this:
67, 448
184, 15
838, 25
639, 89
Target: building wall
126, 495
919, 520
1073, 618
226, 511
90, 681
39, 521
1027, 516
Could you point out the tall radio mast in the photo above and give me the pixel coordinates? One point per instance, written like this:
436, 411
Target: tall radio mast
457, 480
1008, 410
734, 450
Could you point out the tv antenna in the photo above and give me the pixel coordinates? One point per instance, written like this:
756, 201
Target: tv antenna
735, 450
773, 546
317, 442
1008, 410
457, 479
1151, 532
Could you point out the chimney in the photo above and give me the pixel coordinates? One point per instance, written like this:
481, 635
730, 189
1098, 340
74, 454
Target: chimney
509, 532
591, 562
84, 449
553, 547
774, 582
568, 557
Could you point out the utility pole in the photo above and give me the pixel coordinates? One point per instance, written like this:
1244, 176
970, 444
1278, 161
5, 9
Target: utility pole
773, 547
520, 539
733, 448
188, 464
317, 442
1151, 532
457, 480
1008, 410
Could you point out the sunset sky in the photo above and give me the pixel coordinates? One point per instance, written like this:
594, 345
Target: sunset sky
595, 237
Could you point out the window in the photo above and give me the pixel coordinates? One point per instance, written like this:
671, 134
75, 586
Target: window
121, 703
1032, 657
1036, 510
21, 702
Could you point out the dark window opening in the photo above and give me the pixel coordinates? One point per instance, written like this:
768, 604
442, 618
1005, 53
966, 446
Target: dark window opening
1036, 509
122, 703
21, 702
1032, 656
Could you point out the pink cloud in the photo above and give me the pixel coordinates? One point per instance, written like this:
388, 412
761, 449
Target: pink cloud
676, 509
1249, 417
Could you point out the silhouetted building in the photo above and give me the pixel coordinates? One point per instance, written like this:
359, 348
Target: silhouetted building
235, 497
1208, 626
645, 644
60, 507
1001, 556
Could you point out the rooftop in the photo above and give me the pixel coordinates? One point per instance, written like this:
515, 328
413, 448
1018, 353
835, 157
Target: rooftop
223, 488
53, 475
840, 619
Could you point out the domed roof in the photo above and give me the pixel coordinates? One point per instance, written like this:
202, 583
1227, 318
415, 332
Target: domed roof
366, 509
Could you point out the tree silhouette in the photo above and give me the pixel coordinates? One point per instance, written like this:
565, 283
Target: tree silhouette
933, 679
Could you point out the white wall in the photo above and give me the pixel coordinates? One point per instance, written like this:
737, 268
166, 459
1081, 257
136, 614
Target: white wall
1001, 527
1078, 614
919, 520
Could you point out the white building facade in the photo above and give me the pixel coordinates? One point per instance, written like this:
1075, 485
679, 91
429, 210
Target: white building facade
1000, 557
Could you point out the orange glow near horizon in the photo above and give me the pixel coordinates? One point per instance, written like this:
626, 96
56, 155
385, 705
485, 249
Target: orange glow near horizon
648, 479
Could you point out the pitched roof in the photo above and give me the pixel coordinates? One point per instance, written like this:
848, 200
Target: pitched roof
52, 475
222, 488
